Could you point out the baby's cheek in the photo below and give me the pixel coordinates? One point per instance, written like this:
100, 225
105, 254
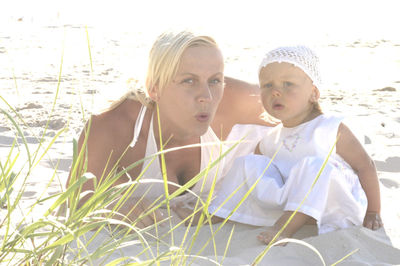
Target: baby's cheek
264, 100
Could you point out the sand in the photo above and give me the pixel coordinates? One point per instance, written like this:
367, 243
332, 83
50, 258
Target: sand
362, 81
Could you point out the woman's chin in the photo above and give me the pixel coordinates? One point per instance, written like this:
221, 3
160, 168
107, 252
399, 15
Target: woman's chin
200, 130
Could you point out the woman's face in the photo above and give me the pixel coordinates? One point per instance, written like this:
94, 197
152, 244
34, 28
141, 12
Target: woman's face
188, 104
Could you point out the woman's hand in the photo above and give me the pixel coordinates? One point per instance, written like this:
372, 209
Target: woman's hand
133, 208
184, 211
372, 220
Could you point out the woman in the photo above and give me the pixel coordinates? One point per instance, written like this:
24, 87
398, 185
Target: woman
185, 80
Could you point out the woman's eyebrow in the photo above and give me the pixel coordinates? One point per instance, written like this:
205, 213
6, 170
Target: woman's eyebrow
195, 75
187, 74
218, 73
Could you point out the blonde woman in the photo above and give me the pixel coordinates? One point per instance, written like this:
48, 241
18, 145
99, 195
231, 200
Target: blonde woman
197, 105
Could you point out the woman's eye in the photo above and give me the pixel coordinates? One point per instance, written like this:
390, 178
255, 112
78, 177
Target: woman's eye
215, 81
188, 81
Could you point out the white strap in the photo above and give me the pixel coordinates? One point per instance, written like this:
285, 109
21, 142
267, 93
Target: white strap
138, 125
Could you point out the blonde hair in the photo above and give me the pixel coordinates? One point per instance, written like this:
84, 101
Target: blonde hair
164, 60
317, 107
166, 54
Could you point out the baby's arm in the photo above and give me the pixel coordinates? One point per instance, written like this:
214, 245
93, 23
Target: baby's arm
257, 150
351, 150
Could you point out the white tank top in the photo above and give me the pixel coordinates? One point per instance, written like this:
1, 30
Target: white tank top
211, 149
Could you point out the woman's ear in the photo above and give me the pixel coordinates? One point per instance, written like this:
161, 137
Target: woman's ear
154, 94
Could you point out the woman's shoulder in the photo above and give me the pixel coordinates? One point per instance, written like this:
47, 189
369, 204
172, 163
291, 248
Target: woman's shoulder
240, 104
117, 123
238, 90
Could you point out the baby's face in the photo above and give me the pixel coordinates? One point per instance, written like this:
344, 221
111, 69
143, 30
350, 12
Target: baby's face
287, 93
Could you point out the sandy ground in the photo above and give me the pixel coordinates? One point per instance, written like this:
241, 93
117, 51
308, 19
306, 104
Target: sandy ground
362, 81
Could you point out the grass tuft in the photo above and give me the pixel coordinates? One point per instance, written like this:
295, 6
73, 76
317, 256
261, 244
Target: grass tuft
64, 233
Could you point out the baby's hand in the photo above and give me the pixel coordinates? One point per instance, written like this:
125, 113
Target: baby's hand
372, 220
269, 234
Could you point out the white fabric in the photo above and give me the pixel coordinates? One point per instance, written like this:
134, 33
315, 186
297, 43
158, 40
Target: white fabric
300, 56
138, 126
210, 151
336, 201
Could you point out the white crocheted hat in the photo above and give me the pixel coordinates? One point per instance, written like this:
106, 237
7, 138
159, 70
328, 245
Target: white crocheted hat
300, 56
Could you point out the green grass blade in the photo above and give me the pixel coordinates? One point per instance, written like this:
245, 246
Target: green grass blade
49, 146
228, 243
164, 170
345, 257
71, 236
237, 206
90, 53
262, 254
64, 196
20, 134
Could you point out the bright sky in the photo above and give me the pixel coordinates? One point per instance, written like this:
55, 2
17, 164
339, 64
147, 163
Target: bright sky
254, 19
234, 24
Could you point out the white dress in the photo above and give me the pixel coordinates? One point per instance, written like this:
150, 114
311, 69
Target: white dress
336, 201
211, 149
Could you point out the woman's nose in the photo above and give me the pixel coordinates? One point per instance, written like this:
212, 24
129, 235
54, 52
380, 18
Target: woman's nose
204, 93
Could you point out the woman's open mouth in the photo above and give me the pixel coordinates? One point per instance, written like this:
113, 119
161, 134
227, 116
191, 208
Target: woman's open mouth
203, 117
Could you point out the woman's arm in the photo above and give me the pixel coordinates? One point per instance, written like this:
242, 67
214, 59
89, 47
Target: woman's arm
351, 150
107, 138
241, 104
96, 150
108, 135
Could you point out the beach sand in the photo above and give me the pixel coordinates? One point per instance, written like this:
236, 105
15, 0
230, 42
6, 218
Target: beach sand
362, 82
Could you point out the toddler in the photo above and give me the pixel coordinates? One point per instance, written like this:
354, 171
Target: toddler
347, 191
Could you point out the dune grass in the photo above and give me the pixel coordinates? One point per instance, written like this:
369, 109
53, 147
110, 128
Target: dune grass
65, 234
47, 239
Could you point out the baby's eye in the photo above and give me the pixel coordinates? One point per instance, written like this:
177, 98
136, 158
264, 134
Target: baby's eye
267, 85
287, 84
